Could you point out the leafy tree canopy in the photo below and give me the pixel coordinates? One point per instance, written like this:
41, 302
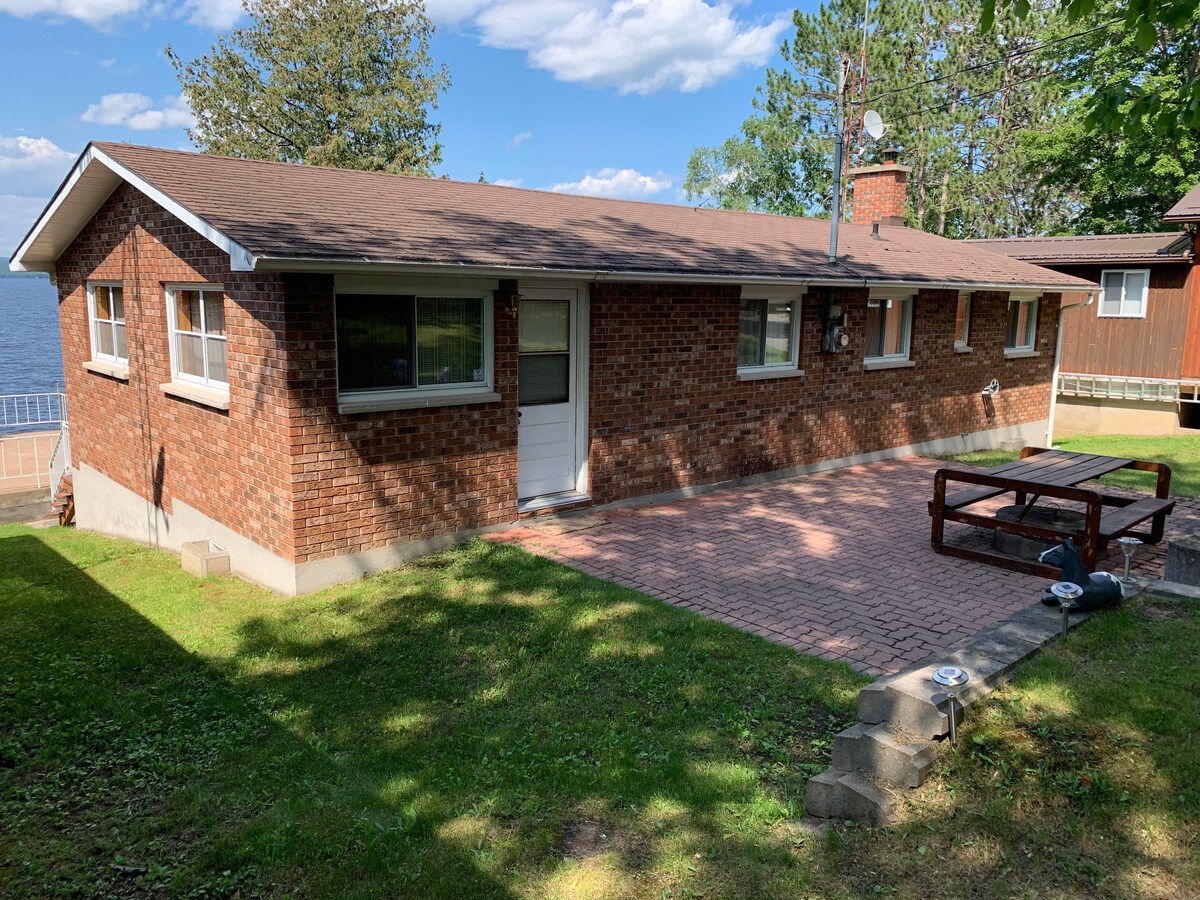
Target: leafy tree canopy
346, 83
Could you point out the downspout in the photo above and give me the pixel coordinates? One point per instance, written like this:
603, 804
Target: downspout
1057, 366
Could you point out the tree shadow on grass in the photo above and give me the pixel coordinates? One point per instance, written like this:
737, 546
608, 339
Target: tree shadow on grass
119, 747
481, 724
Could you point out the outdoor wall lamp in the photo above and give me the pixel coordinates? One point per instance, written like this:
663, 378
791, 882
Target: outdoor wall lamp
951, 677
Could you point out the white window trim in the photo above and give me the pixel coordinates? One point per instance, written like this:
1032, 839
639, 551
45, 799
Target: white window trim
111, 363
1017, 351
427, 395
791, 368
1100, 314
894, 360
208, 386
964, 346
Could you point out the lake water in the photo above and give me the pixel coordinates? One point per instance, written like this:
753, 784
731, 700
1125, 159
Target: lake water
30, 352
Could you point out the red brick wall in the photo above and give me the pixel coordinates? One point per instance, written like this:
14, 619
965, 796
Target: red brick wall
230, 465
877, 195
370, 479
286, 470
667, 410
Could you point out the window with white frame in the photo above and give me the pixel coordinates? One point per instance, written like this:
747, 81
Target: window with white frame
962, 323
768, 333
889, 328
1022, 325
1123, 293
196, 317
412, 345
106, 310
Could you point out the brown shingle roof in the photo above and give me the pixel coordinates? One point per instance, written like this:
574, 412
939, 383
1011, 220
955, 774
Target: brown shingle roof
1187, 209
282, 212
1172, 246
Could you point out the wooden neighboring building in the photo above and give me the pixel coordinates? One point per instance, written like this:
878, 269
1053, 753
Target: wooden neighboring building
1130, 362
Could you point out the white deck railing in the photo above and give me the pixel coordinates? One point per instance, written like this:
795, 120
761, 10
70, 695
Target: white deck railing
27, 412
31, 455
60, 459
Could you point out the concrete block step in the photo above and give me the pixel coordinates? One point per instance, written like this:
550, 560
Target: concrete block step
884, 753
835, 794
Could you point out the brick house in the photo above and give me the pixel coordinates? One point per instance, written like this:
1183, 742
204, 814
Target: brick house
1130, 359
329, 372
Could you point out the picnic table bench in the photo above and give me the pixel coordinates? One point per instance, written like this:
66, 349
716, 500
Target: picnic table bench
1055, 474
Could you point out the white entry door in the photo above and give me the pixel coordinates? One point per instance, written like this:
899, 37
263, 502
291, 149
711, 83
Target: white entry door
549, 395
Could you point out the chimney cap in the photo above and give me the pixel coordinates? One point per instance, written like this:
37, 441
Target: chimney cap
890, 156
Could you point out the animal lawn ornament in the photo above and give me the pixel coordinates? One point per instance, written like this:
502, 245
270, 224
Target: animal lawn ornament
1100, 589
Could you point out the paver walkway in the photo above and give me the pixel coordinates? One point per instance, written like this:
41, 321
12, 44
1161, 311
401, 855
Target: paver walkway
837, 564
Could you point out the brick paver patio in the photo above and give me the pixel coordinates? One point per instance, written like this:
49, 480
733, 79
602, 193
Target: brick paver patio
837, 564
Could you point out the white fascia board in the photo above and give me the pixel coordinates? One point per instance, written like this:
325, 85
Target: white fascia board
240, 259
333, 266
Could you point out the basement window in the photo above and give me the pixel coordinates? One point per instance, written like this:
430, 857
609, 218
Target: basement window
1022, 328
397, 351
1123, 293
768, 334
106, 315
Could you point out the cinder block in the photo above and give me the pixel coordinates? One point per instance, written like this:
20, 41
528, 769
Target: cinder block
1183, 560
204, 558
835, 794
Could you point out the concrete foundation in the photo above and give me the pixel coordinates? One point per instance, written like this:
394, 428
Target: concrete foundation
1096, 415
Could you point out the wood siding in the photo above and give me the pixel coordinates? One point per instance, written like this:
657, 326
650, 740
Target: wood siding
1153, 347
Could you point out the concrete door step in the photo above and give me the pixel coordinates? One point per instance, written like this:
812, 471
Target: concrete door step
903, 717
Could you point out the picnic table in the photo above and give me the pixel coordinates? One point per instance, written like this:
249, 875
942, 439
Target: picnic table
1055, 474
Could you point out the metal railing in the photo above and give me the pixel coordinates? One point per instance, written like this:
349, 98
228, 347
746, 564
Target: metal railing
60, 459
32, 412
1119, 387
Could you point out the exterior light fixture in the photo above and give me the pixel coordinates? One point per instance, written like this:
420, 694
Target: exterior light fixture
1128, 546
1067, 593
951, 677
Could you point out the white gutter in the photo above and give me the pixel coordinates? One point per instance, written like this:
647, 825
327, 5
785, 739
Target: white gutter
1057, 365
264, 263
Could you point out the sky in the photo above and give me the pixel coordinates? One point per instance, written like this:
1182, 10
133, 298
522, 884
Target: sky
604, 97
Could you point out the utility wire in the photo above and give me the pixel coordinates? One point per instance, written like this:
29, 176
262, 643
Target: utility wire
995, 62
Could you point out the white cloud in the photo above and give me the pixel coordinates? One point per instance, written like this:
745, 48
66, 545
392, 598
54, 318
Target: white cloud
102, 13
17, 215
612, 182
509, 182
137, 111
518, 139
108, 63
218, 14
636, 46
26, 154
93, 12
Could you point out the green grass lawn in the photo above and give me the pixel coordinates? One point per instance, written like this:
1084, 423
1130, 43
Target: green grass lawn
1081, 778
482, 723
1181, 453
490, 724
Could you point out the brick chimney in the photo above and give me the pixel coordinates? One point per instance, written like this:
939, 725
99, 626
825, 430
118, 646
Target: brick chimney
880, 191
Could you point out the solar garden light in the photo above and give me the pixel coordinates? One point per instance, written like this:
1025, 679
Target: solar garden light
1067, 593
1128, 546
951, 677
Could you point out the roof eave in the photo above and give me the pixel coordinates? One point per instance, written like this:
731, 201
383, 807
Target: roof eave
240, 259
269, 263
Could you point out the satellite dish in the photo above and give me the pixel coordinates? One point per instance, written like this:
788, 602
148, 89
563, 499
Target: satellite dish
873, 124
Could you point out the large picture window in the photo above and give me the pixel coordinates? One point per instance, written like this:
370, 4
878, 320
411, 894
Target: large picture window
1022, 325
1123, 293
408, 343
889, 328
106, 310
196, 316
767, 334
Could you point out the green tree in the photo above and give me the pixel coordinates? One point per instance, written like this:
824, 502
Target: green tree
955, 119
346, 83
1126, 178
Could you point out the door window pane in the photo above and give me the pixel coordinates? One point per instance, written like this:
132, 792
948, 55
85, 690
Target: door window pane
544, 378
545, 325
